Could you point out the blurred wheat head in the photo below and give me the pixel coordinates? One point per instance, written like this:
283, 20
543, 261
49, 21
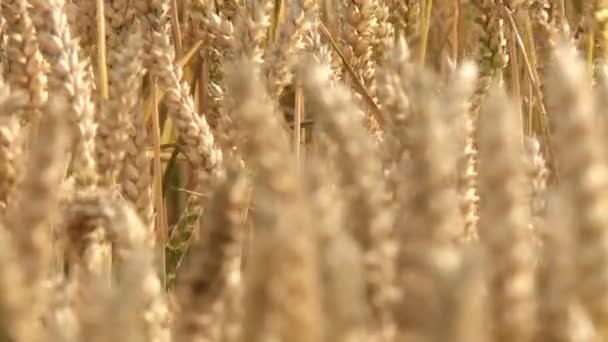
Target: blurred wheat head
306, 171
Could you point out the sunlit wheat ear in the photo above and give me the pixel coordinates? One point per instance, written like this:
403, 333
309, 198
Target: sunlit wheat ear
544, 18
92, 307
10, 157
220, 39
428, 217
213, 25
394, 88
411, 237
342, 273
14, 311
368, 214
264, 154
88, 255
113, 123
458, 94
556, 276
601, 99
492, 54
503, 223
250, 29
146, 314
358, 34
27, 67
322, 50
344, 291
61, 321
213, 272
399, 14
414, 18
137, 308
191, 21
154, 16
582, 166
600, 25
136, 182
463, 301
230, 7
119, 17
81, 16
68, 76
33, 211
538, 174
383, 34
199, 145
16, 299
11, 102
250, 32
279, 304
281, 56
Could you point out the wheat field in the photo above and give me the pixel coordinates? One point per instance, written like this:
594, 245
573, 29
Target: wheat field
303, 170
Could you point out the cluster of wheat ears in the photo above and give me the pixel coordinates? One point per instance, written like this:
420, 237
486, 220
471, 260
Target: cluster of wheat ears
303, 171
